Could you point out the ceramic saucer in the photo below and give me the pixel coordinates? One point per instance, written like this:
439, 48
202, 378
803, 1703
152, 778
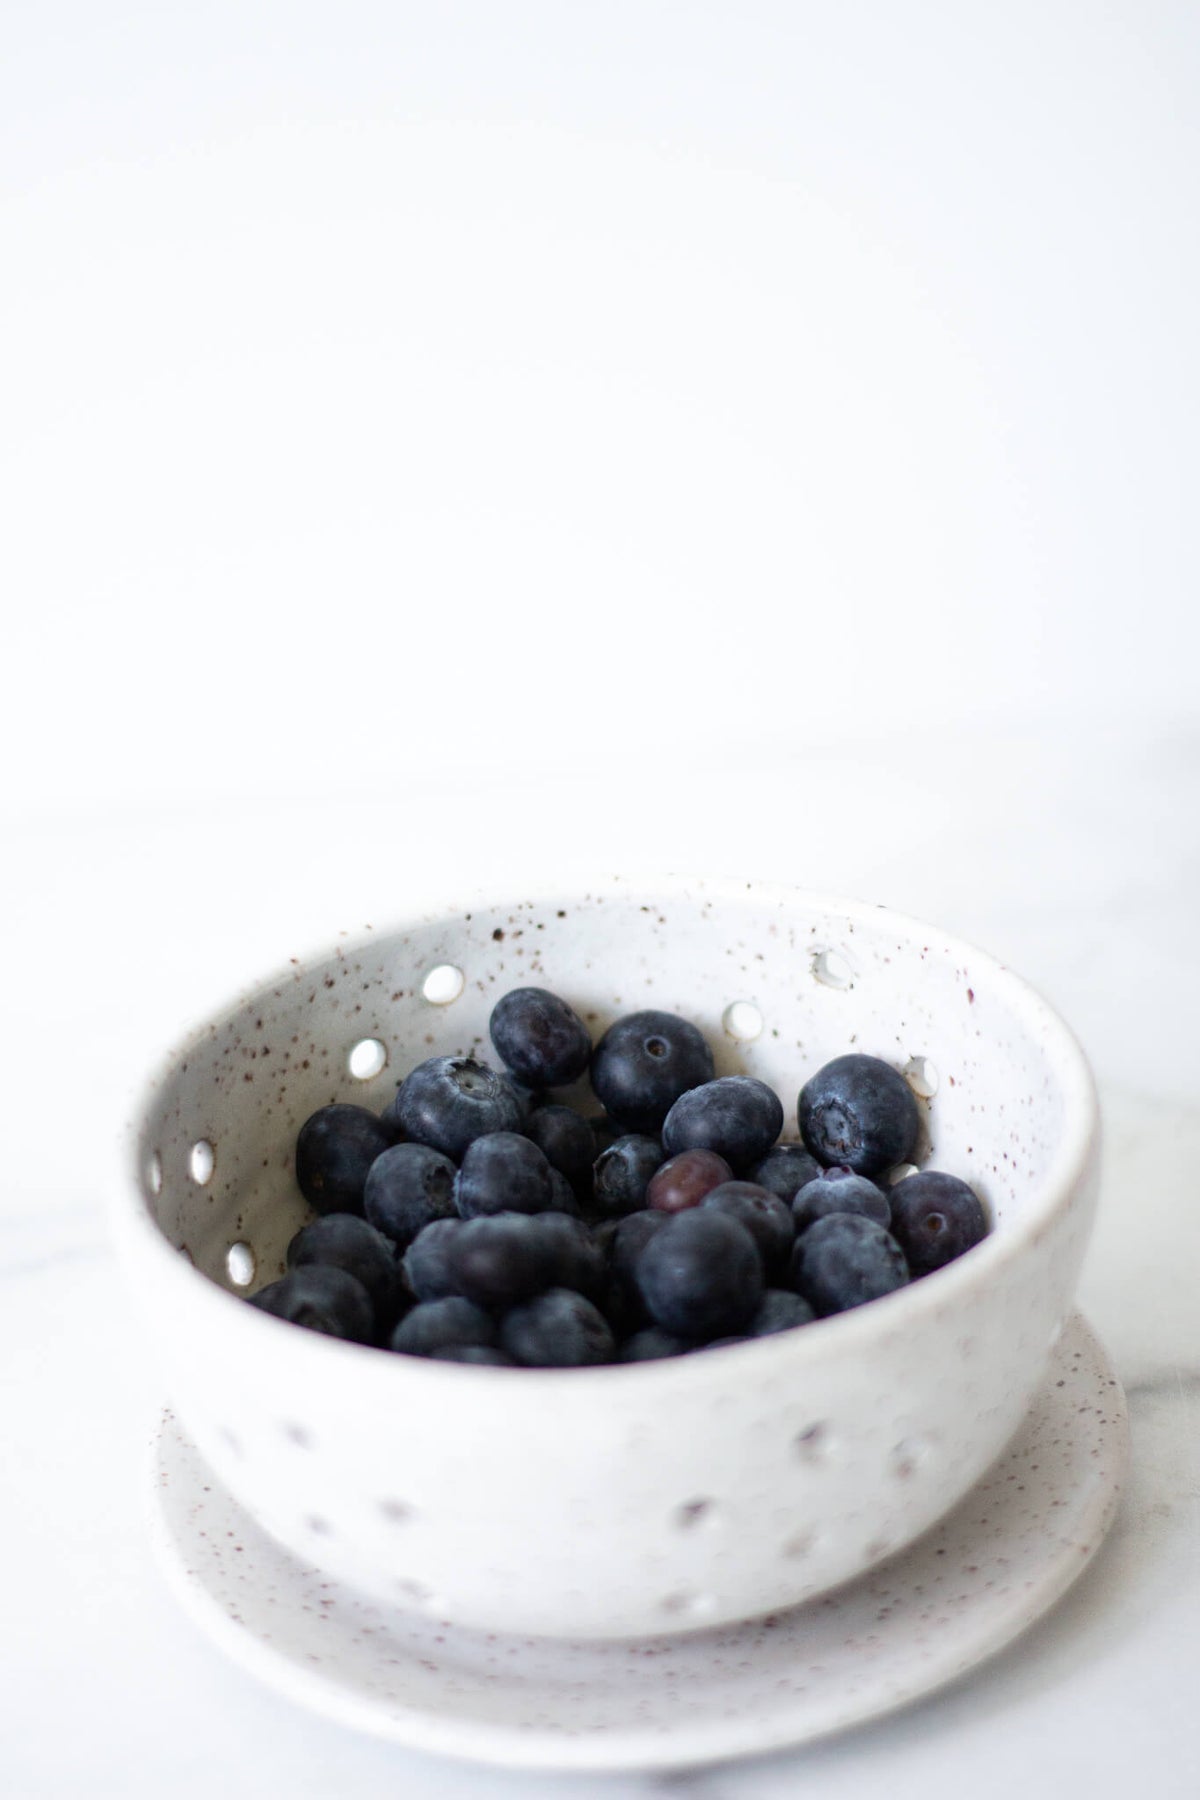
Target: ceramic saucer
966, 1589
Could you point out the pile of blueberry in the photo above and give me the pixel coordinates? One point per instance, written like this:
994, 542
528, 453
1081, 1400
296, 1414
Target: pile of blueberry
479, 1221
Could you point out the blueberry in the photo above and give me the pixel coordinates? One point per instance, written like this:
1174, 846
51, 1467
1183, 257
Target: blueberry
605, 1131
487, 1355
558, 1330
629, 1239
737, 1116
684, 1180
344, 1241
334, 1150
785, 1170
700, 1275
436, 1324
427, 1261
840, 1190
323, 1299
860, 1112
765, 1217
500, 1260
781, 1310
563, 1197
541, 1039
408, 1187
450, 1101
622, 1300
622, 1174
503, 1172
844, 1260
529, 1100
565, 1139
576, 1259
935, 1218
604, 1234
651, 1344
643, 1063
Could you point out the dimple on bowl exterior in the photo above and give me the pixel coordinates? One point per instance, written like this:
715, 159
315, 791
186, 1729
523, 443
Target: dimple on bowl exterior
618, 1501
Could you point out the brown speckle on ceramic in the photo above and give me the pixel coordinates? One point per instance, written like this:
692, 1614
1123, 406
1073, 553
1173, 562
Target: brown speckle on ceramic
965, 1590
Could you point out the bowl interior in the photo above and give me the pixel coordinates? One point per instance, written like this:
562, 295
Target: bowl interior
779, 982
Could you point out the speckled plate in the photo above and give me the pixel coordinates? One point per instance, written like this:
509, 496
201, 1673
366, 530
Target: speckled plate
966, 1589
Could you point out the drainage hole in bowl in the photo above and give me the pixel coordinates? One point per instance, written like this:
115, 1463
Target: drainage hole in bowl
443, 984
906, 1457
396, 1512
240, 1265
299, 1435
799, 1545
693, 1513
202, 1160
318, 1526
921, 1076
743, 1021
812, 1445
367, 1059
687, 1604
415, 1591
831, 969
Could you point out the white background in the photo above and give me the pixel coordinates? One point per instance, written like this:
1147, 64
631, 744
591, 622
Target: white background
441, 444
390, 388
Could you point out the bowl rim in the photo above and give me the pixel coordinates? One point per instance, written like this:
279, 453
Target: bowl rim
138, 1235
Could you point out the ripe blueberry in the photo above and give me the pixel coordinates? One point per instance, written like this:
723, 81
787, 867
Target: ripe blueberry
844, 1260
539, 1038
622, 1174
765, 1217
503, 1172
781, 1310
858, 1111
323, 1299
700, 1275
344, 1241
652, 1344
408, 1187
486, 1355
736, 1116
935, 1218
334, 1150
565, 1139
563, 1197
622, 1301
449, 1101
576, 1260
785, 1170
644, 1063
435, 1324
840, 1190
500, 1260
557, 1330
426, 1262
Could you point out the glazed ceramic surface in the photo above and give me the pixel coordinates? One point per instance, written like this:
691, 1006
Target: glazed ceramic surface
963, 1591
615, 1502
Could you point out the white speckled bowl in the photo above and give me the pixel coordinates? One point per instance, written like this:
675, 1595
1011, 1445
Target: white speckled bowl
618, 1502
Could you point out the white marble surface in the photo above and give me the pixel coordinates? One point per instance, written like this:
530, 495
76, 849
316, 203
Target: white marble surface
1076, 858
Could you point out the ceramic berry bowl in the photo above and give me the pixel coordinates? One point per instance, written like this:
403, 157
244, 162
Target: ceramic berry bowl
618, 1501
